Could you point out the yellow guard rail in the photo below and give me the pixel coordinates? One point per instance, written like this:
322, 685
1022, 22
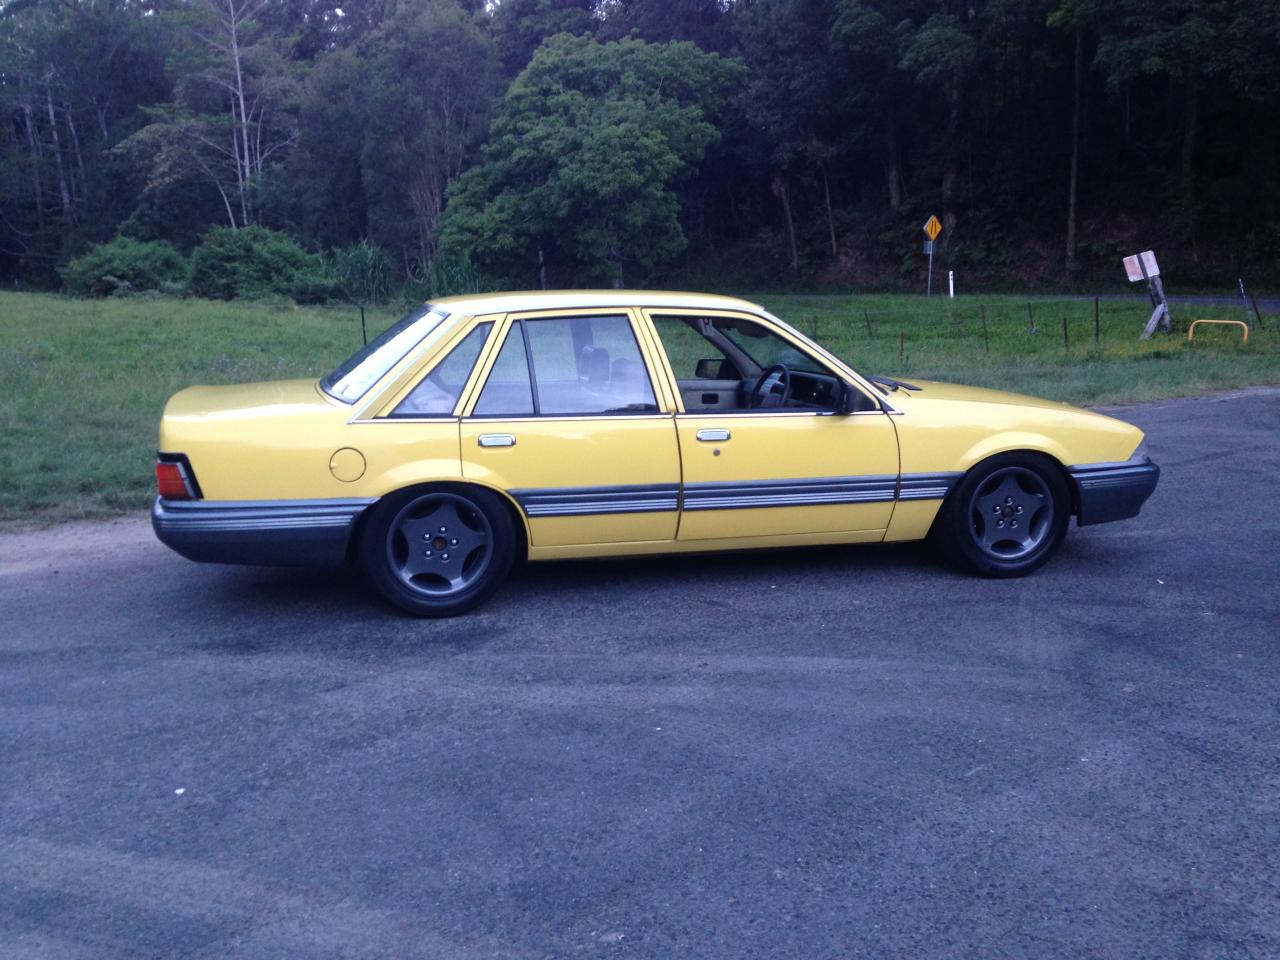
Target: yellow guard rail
1191, 331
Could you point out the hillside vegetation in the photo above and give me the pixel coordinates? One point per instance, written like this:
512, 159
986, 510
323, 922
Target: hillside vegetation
704, 143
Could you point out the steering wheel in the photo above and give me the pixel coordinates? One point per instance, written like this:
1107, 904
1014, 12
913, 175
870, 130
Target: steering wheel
773, 389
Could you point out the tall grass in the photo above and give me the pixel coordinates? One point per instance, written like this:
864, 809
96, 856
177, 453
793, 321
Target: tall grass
82, 383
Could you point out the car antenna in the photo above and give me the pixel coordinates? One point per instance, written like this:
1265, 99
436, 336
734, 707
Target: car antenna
364, 333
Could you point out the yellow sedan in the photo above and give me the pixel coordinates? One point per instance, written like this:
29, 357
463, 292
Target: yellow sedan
548, 425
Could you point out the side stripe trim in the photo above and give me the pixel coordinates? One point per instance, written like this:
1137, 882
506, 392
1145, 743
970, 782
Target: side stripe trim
659, 498
789, 493
584, 501
926, 486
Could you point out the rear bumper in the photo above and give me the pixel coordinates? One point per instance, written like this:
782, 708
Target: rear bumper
266, 532
1113, 491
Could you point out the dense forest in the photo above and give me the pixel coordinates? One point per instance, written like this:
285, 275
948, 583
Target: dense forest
358, 147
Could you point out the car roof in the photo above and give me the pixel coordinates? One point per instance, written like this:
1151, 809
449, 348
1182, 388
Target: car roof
521, 300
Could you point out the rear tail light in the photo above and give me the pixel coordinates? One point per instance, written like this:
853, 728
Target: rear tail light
175, 479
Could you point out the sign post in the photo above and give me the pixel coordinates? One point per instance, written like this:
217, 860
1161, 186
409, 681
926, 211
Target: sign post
1143, 266
932, 228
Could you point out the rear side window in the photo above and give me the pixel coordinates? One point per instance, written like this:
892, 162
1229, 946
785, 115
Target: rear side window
437, 393
507, 392
577, 365
367, 366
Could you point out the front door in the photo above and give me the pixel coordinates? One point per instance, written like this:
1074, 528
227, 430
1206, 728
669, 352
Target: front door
566, 420
764, 452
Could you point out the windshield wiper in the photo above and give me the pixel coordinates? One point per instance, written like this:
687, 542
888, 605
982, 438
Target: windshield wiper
893, 384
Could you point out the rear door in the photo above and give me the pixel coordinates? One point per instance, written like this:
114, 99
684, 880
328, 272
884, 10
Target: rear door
568, 421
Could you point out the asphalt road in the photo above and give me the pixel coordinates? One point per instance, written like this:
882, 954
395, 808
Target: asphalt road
811, 754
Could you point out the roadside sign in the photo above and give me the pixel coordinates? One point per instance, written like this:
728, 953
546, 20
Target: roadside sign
1141, 266
932, 227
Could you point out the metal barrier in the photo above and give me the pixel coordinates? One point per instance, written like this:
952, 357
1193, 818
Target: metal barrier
1191, 330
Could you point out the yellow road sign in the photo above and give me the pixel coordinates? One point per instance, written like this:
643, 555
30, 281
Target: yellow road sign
933, 228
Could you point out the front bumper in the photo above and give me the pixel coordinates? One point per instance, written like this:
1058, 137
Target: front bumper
1113, 491
265, 532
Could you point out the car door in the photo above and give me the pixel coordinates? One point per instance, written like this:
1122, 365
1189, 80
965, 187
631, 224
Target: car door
801, 471
567, 420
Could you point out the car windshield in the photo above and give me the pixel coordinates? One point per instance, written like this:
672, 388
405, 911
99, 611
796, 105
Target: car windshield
355, 375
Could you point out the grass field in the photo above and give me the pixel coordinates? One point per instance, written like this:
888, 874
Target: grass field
82, 383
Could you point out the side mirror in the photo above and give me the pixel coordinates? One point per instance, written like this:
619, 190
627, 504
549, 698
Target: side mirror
709, 368
850, 399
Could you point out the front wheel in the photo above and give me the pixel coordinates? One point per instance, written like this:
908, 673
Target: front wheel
1006, 516
437, 552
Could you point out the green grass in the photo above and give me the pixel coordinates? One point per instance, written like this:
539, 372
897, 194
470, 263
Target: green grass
943, 339
82, 383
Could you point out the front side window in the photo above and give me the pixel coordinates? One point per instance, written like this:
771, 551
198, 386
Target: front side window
736, 364
576, 365
437, 393
355, 375
764, 347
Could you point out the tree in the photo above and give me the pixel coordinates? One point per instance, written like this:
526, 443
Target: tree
789, 95
940, 53
1191, 44
233, 116
659, 21
73, 76
384, 128
520, 26
862, 35
424, 116
585, 149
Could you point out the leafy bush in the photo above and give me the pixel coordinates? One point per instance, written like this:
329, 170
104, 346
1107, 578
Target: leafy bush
256, 262
125, 265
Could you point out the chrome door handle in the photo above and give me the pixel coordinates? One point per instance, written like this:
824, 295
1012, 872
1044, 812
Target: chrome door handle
714, 436
496, 440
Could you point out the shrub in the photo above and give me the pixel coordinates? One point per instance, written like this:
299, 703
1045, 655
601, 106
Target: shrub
445, 276
125, 265
255, 262
361, 272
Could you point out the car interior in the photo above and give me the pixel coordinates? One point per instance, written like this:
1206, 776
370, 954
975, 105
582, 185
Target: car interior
736, 364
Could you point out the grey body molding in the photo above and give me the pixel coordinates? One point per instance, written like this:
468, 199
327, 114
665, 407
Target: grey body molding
264, 532
1112, 491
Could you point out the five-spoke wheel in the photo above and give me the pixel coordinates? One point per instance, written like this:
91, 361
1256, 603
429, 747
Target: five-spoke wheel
1005, 516
1012, 512
438, 551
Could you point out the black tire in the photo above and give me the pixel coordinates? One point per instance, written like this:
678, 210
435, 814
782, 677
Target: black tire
438, 551
1005, 517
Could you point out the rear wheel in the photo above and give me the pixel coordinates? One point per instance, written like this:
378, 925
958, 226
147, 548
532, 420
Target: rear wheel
1006, 516
439, 551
